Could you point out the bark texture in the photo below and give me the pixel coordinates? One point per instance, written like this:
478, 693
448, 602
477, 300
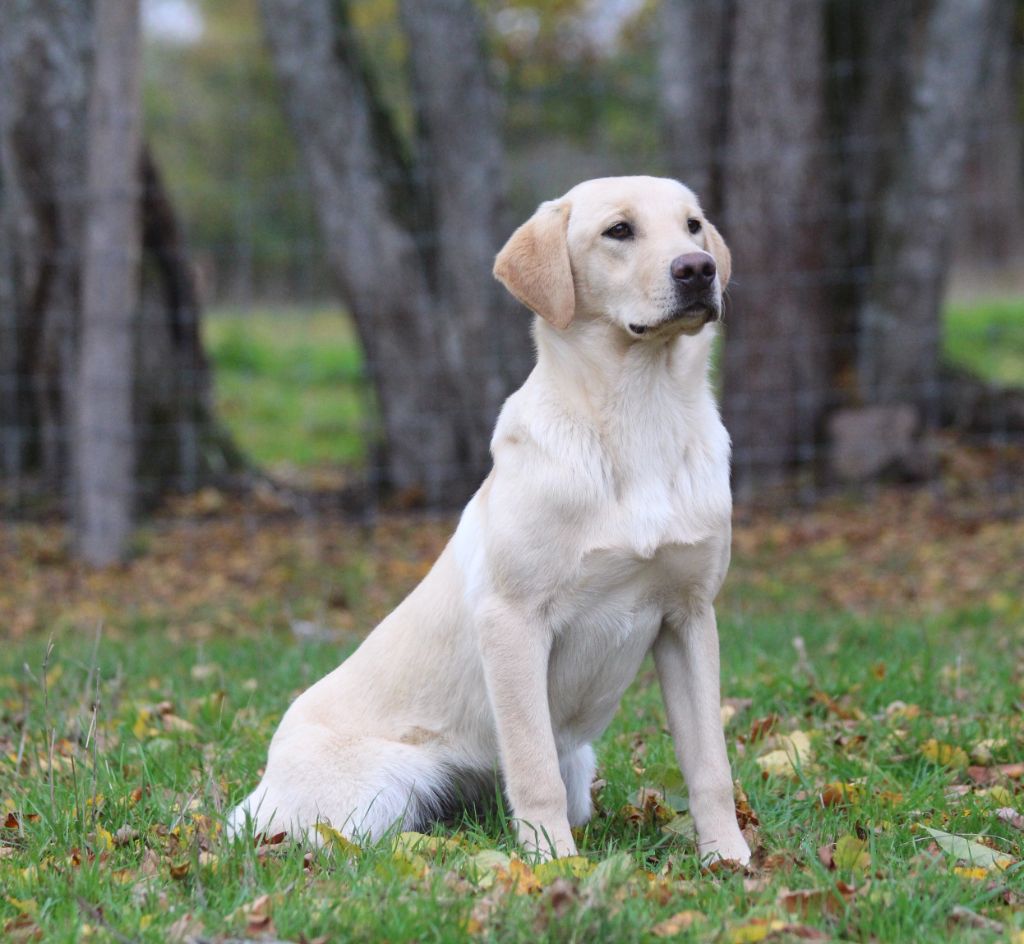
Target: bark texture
46, 71
899, 328
45, 55
776, 374
411, 229
694, 92
839, 168
103, 437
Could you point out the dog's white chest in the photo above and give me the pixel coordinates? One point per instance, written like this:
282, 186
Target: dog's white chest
674, 503
604, 625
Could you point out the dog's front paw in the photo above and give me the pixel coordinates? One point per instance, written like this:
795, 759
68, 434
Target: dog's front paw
731, 846
545, 844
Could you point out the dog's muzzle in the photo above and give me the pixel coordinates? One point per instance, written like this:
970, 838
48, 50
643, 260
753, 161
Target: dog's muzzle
692, 314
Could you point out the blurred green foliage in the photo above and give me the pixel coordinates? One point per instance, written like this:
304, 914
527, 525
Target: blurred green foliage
290, 386
987, 338
215, 120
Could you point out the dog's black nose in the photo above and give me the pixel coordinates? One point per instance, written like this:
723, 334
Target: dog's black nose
693, 270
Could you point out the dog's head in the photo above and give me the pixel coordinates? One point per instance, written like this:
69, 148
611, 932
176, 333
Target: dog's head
636, 251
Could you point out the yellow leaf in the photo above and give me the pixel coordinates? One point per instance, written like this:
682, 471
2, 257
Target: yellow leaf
142, 728
947, 755
679, 922
523, 878
332, 839
755, 931
851, 854
977, 873
103, 838
567, 867
427, 845
792, 752
24, 905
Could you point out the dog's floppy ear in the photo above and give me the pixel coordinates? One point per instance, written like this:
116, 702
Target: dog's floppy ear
718, 248
534, 265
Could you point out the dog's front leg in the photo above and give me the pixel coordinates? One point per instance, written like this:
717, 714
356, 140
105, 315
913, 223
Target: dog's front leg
515, 655
686, 656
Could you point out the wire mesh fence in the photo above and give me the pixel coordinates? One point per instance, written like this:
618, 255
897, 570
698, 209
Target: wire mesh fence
262, 356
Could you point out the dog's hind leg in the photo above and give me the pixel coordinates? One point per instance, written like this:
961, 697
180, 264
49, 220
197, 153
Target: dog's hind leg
361, 786
577, 767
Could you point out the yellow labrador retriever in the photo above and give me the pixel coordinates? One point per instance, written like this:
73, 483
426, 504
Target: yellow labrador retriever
601, 534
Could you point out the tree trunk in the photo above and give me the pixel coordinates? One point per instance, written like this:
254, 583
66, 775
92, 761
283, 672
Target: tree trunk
45, 79
103, 436
992, 238
410, 231
898, 357
776, 377
44, 58
693, 50
459, 164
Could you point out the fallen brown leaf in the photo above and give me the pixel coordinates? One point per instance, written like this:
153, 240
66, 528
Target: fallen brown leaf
679, 922
1009, 815
964, 917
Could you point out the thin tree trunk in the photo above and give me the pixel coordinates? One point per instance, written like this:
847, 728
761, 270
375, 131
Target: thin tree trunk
693, 56
459, 165
181, 445
103, 432
10, 448
899, 340
397, 231
775, 384
993, 237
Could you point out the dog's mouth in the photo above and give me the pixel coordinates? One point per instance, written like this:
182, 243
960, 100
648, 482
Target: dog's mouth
688, 318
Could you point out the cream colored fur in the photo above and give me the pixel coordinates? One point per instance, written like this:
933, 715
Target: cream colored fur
601, 534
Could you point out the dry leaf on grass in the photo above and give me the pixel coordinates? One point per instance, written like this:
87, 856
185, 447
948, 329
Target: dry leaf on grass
679, 922
946, 755
985, 776
793, 751
336, 842
1009, 815
966, 850
814, 902
965, 918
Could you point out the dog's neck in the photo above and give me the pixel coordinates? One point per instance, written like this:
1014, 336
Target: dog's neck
599, 371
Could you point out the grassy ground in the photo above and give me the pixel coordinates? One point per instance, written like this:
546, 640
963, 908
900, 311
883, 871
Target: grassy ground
289, 384
873, 663
289, 381
874, 676
987, 338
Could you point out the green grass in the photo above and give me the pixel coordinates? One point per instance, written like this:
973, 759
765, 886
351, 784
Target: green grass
987, 338
289, 384
58, 868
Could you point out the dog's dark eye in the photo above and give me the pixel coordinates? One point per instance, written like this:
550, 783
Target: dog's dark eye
619, 231
693, 225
